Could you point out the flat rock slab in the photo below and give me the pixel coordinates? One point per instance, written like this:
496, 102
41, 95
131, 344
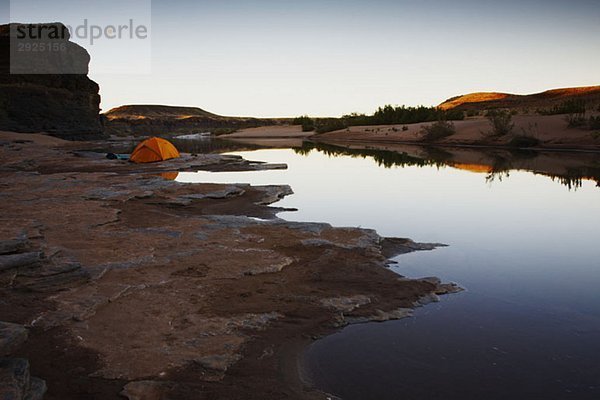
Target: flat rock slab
11, 261
13, 246
11, 337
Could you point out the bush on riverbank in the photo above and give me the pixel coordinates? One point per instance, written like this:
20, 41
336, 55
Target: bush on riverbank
390, 115
594, 123
308, 124
501, 122
523, 141
566, 107
323, 125
437, 131
387, 115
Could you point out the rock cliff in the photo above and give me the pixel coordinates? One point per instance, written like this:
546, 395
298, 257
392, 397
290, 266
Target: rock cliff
64, 104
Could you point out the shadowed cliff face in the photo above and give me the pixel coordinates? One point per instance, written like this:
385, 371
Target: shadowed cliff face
64, 103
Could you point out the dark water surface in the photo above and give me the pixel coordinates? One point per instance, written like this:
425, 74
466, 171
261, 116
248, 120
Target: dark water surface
526, 248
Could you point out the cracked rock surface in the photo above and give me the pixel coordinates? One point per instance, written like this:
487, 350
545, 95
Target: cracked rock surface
138, 285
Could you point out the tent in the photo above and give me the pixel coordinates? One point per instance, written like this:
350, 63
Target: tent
153, 150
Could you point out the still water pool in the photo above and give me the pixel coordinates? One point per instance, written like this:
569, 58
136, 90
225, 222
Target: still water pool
526, 248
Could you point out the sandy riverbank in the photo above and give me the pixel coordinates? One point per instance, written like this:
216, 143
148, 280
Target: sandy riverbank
157, 289
552, 132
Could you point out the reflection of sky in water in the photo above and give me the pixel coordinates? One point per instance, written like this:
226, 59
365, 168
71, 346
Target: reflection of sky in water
526, 248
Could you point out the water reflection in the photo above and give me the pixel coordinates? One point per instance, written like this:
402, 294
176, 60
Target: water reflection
569, 169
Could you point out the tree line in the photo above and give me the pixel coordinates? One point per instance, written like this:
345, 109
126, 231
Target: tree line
386, 115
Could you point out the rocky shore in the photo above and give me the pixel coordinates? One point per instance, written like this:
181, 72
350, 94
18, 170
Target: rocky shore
125, 284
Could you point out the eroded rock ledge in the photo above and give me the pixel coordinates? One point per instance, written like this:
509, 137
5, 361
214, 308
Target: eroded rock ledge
165, 290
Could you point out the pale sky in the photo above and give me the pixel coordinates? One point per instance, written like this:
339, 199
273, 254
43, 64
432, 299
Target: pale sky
327, 58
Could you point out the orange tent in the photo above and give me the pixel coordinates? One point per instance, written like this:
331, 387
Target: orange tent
153, 150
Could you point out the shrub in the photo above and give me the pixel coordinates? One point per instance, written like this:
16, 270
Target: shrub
524, 141
324, 125
594, 123
437, 131
566, 107
531, 130
576, 120
501, 121
404, 128
308, 124
454, 115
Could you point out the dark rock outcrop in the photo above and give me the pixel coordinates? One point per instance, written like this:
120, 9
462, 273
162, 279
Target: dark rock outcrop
15, 381
51, 93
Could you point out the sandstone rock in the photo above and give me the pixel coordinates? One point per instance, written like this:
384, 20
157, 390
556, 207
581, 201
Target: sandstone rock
50, 276
274, 193
67, 105
442, 288
11, 337
16, 383
37, 389
218, 362
14, 378
392, 247
144, 390
380, 316
346, 304
11, 261
13, 246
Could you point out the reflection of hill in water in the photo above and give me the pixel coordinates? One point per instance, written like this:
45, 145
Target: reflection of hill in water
569, 169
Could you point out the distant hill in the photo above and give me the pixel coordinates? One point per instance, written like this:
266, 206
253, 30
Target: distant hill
547, 99
157, 111
144, 120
